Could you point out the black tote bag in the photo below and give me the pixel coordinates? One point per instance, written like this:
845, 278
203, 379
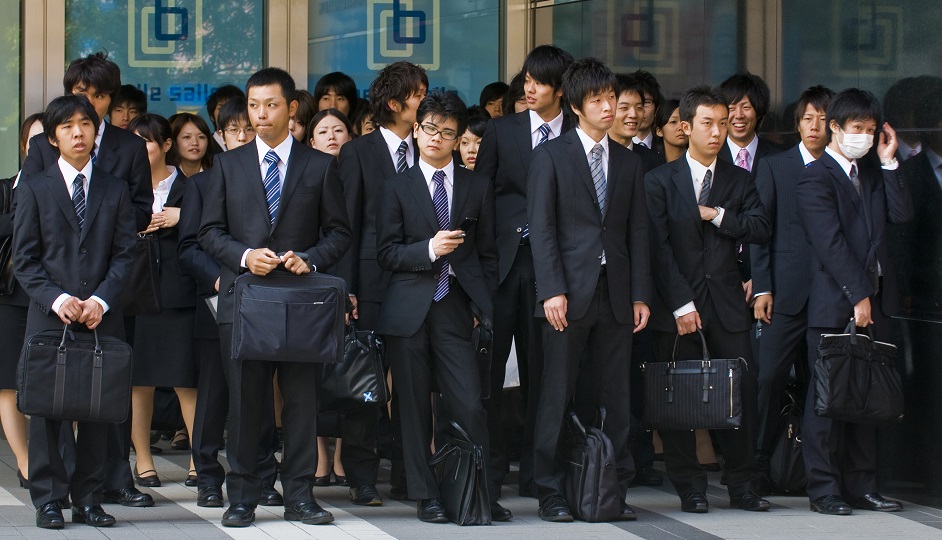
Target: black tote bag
591, 481
142, 293
359, 380
7, 278
786, 464
461, 470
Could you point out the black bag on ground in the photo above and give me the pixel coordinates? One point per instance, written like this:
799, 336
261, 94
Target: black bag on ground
462, 479
142, 294
786, 465
693, 394
66, 376
283, 317
359, 380
591, 482
856, 380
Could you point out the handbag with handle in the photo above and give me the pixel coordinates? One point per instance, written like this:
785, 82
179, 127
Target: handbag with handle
694, 394
142, 294
7, 278
75, 376
359, 380
461, 470
856, 379
786, 465
591, 482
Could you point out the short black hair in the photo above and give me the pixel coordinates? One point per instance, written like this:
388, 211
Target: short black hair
360, 113
663, 113
545, 64
853, 104
340, 83
704, 95
495, 90
270, 76
320, 115
151, 127
514, 92
63, 108
235, 110
443, 106
307, 108
650, 86
478, 117
93, 70
130, 96
177, 123
584, 78
397, 81
817, 96
628, 83
222, 94
746, 84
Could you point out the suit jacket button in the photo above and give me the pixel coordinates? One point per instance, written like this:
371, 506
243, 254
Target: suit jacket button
708, 276
872, 269
83, 283
83, 250
519, 229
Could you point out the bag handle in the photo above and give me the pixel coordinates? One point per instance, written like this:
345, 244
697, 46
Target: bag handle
574, 419
66, 333
851, 329
706, 352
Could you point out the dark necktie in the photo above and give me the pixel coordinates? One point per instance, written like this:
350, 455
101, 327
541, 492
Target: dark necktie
401, 164
272, 185
440, 200
78, 198
705, 190
641, 143
544, 134
598, 175
854, 178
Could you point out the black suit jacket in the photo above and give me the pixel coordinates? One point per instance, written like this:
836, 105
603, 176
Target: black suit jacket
918, 248
193, 260
177, 287
504, 157
407, 222
693, 260
365, 164
311, 215
650, 159
53, 255
122, 154
783, 266
568, 233
846, 232
19, 296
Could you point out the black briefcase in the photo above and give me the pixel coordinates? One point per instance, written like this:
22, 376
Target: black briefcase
786, 465
74, 376
693, 394
359, 380
283, 317
142, 294
591, 481
461, 470
856, 380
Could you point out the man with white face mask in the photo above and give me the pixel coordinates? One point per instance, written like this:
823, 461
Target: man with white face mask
844, 204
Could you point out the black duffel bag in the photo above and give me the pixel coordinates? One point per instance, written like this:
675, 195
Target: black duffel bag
786, 465
359, 380
81, 376
693, 394
856, 380
591, 482
461, 469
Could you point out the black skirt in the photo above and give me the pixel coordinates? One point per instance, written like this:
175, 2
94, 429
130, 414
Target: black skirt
163, 349
12, 335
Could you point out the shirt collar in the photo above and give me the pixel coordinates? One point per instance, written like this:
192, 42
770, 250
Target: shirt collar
806, 156
428, 171
392, 140
588, 144
934, 159
905, 150
842, 161
556, 124
165, 184
697, 169
69, 172
752, 147
648, 141
283, 149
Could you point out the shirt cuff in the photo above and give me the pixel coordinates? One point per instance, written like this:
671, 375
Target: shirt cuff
59, 301
244, 257
763, 293
102, 303
892, 166
684, 309
718, 220
431, 252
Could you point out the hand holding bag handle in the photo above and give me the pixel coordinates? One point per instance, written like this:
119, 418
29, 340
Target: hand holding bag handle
61, 356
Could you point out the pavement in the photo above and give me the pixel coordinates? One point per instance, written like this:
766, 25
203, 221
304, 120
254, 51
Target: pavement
176, 516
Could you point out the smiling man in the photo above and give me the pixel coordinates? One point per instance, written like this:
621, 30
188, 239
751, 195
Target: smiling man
629, 117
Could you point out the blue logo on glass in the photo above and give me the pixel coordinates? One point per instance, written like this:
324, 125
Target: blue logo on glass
403, 29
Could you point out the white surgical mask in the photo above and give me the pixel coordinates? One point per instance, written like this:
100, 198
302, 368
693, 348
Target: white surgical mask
854, 145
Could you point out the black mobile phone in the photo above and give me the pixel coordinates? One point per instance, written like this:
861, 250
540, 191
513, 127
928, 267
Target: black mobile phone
467, 224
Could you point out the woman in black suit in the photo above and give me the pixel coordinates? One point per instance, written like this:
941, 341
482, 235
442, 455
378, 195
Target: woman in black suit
163, 342
13, 308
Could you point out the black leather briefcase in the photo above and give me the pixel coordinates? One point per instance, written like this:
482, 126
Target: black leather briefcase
283, 317
693, 394
360, 380
142, 294
75, 376
461, 470
591, 481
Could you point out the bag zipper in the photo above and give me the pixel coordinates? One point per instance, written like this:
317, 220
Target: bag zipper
731, 392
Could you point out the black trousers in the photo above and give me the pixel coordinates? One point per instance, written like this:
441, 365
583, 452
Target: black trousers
781, 346
737, 445
250, 384
514, 319
50, 477
597, 347
359, 457
641, 438
441, 348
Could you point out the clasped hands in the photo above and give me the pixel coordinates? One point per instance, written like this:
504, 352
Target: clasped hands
88, 312
165, 219
261, 261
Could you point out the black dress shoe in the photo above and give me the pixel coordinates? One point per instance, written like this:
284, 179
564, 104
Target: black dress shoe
128, 497
431, 511
695, 503
322, 481
499, 513
366, 495
209, 497
627, 514
149, 481
24, 483
876, 502
92, 515
832, 505
308, 513
556, 510
270, 497
341, 481
647, 477
751, 501
192, 479
238, 515
49, 516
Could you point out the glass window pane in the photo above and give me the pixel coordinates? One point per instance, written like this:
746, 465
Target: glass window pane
10, 86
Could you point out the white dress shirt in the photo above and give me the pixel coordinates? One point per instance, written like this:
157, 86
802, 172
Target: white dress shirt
392, 144
427, 172
752, 148
556, 127
647, 141
162, 191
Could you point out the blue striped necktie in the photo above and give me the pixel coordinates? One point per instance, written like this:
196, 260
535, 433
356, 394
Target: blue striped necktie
272, 185
598, 175
401, 164
78, 198
440, 200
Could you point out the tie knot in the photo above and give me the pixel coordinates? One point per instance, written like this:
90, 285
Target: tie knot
597, 151
545, 130
79, 178
743, 154
403, 148
271, 157
853, 171
439, 177
708, 176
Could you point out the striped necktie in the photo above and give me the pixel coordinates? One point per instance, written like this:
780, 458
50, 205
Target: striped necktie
272, 185
78, 198
544, 134
440, 200
855, 178
598, 175
705, 190
401, 164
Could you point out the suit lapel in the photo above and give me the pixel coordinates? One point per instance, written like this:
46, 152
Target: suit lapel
253, 174
96, 194
56, 185
614, 169
381, 154
843, 182
107, 156
297, 163
683, 182
522, 136
176, 191
423, 201
581, 162
461, 186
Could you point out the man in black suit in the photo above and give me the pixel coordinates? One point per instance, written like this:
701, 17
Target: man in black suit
844, 205
365, 165
781, 269
629, 113
701, 209
587, 215
72, 242
435, 234
123, 155
651, 100
504, 157
256, 215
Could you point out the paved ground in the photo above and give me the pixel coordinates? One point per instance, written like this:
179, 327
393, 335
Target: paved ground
177, 516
